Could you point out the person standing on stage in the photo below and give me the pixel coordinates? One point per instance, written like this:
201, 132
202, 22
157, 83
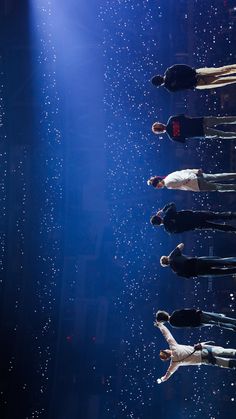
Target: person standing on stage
191, 317
182, 77
200, 354
175, 221
195, 180
180, 127
188, 267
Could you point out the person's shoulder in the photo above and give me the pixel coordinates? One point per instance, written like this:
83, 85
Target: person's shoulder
172, 118
174, 312
175, 253
178, 118
180, 67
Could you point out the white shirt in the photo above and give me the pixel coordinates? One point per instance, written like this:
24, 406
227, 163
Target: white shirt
181, 354
185, 180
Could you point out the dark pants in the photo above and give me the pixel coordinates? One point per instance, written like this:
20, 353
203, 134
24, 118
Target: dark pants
203, 220
217, 319
209, 182
213, 266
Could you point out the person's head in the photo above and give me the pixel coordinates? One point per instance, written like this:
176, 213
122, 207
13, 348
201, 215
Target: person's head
164, 261
156, 220
157, 80
156, 181
162, 316
158, 128
165, 354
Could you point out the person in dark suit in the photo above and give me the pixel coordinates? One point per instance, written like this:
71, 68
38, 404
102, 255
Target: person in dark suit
175, 221
198, 266
191, 317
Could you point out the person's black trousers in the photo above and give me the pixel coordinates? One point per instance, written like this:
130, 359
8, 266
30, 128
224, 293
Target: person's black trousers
217, 319
204, 219
207, 265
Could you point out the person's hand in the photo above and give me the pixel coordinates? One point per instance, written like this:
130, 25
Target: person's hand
159, 380
156, 323
198, 346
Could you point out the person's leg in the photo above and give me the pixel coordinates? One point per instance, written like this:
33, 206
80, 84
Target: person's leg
219, 134
218, 319
225, 363
211, 356
220, 272
227, 326
204, 265
223, 81
207, 186
208, 225
214, 177
212, 215
209, 82
216, 71
218, 262
226, 120
211, 266
210, 122
213, 121
225, 187
223, 352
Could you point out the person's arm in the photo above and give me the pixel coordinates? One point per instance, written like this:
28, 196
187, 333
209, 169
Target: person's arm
170, 207
172, 368
180, 70
179, 139
199, 346
166, 333
196, 171
176, 251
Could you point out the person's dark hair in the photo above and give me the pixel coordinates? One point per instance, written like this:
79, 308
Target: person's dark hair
157, 80
162, 316
156, 220
155, 180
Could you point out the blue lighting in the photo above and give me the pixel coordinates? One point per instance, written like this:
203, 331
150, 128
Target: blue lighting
79, 260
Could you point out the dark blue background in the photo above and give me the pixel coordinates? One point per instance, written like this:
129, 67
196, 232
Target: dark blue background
80, 275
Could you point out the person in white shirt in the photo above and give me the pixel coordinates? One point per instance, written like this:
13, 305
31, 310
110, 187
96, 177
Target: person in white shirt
185, 355
195, 180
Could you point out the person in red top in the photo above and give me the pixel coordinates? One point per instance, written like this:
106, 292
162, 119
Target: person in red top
180, 127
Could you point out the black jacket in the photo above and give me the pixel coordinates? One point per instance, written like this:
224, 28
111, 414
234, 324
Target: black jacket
179, 221
180, 77
188, 317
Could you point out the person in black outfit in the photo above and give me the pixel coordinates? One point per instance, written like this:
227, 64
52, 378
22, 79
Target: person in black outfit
190, 317
179, 221
181, 127
198, 266
182, 77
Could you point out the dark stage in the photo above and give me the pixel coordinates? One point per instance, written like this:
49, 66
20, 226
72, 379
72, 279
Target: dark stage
80, 275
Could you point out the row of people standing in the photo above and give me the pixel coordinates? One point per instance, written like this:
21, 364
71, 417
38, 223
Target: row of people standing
181, 128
